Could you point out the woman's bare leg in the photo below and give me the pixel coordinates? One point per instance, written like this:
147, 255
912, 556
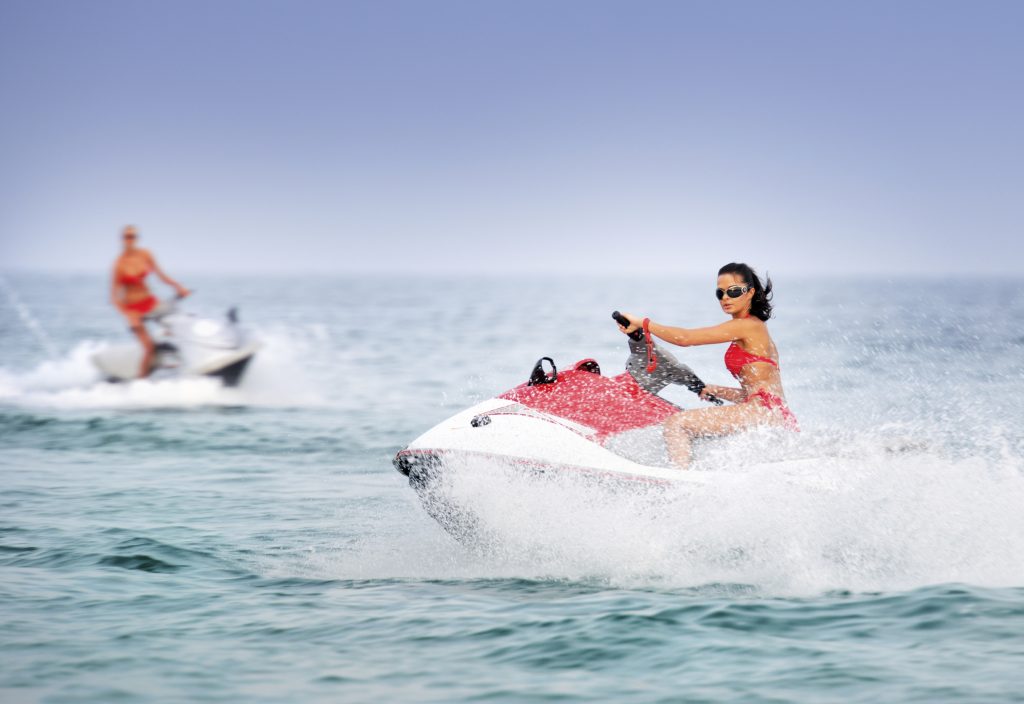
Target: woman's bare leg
679, 443
682, 428
148, 346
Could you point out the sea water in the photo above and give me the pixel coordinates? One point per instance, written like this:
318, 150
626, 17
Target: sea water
172, 540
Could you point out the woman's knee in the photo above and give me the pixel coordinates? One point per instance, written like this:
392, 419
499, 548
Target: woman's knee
709, 422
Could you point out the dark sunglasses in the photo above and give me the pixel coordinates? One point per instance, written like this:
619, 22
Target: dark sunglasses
733, 291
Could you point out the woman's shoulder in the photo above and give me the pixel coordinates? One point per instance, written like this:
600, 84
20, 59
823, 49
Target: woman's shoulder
754, 329
143, 256
751, 324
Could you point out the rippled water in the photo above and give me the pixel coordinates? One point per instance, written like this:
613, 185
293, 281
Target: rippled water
173, 540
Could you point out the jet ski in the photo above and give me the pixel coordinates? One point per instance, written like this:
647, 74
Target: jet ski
186, 346
572, 423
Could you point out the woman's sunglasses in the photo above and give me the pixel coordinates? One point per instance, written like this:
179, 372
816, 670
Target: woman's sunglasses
733, 291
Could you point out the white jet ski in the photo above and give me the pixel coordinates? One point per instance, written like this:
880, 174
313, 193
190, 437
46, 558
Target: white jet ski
186, 346
574, 423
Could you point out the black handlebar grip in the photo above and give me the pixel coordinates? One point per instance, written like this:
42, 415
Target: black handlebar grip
624, 322
707, 397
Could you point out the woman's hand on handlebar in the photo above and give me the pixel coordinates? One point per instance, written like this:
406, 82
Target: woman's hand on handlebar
635, 323
182, 291
722, 393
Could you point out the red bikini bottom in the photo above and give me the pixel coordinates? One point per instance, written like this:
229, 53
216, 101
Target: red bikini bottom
143, 306
775, 403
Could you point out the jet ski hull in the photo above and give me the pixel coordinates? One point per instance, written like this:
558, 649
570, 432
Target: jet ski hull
121, 364
501, 441
569, 426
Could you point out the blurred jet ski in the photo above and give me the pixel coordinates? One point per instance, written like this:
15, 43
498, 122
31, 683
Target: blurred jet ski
186, 346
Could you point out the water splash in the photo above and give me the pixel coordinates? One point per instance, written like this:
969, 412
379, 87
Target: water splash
864, 518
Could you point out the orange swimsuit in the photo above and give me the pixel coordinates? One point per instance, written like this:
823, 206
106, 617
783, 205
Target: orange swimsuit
735, 359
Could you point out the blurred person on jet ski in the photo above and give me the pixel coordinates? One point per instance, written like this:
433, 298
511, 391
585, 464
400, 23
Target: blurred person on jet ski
130, 294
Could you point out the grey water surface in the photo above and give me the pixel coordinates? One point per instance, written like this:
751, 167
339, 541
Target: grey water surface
170, 540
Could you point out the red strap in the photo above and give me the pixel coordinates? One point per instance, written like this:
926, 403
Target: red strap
652, 362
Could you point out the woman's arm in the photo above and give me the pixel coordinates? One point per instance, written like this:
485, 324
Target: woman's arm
728, 393
182, 291
728, 331
116, 290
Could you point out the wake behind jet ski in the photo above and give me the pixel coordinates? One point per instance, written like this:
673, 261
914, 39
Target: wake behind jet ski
186, 346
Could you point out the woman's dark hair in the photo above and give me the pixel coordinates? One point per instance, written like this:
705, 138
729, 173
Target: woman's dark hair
761, 304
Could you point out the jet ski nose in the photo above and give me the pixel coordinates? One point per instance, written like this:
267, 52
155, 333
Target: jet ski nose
402, 463
416, 465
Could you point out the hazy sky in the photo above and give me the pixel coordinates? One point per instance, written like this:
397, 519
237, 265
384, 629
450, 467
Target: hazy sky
514, 136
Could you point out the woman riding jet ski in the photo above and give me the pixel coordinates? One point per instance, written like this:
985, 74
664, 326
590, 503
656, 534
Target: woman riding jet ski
132, 297
751, 358
579, 422
186, 346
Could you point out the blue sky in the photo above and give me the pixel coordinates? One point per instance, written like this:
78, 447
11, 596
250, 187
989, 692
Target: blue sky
508, 137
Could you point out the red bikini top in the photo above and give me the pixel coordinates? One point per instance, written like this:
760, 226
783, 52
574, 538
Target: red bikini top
736, 358
130, 280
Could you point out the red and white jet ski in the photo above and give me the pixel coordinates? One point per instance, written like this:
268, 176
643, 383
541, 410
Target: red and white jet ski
570, 423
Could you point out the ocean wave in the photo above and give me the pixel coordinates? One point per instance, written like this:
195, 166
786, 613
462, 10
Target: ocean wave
139, 553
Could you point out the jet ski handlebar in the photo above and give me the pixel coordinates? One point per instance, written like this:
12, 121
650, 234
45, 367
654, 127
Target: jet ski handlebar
667, 369
622, 320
